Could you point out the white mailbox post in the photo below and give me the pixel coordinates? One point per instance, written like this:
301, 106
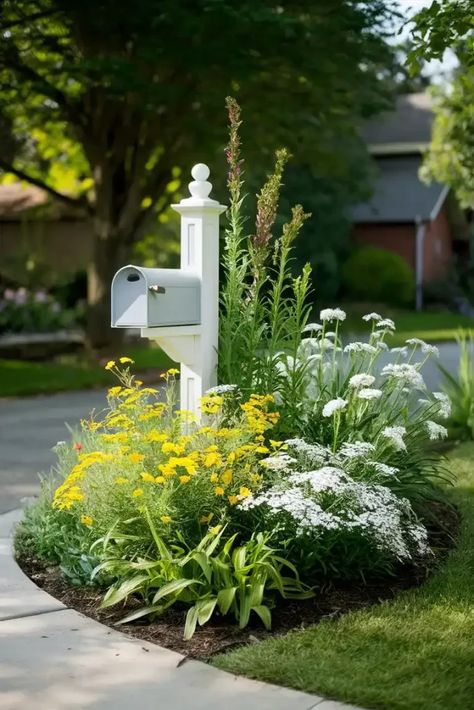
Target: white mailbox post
195, 346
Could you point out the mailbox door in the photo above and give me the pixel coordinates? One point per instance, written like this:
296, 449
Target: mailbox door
179, 305
129, 301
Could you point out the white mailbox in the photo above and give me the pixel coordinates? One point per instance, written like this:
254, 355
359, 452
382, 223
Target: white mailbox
149, 298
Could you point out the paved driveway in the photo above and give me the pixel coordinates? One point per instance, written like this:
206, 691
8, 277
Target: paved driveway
29, 427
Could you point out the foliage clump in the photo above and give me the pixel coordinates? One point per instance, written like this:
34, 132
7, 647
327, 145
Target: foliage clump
376, 275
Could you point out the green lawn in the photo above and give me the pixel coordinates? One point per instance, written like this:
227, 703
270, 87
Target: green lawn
430, 326
22, 377
412, 653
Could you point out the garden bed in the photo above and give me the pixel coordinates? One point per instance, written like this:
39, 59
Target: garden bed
220, 635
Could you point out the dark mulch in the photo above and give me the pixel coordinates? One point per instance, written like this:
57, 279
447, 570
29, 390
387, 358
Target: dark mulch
219, 635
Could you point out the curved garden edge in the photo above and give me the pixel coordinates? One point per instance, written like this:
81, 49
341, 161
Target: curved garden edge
101, 667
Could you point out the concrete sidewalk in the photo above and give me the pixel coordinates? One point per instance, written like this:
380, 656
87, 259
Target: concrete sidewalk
54, 658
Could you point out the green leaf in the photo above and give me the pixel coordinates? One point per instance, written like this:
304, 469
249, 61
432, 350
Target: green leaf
115, 595
265, 614
205, 610
144, 611
225, 597
174, 587
191, 621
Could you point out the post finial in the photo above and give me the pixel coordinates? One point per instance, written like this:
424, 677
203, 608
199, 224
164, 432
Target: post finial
200, 187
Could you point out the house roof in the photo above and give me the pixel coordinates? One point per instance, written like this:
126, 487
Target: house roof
405, 129
15, 198
399, 195
19, 201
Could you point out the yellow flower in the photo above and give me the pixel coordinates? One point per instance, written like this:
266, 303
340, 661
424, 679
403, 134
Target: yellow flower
137, 492
147, 477
160, 479
165, 519
262, 450
121, 480
118, 436
185, 479
172, 371
206, 518
212, 459
214, 478
135, 458
125, 360
226, 477
219, 491
184, 462
233, 500
114, 391
155, 436
86, 520
167, 470
244, 492
215, 530
211, 404
170, 448
110, 365
138, 383
275, 444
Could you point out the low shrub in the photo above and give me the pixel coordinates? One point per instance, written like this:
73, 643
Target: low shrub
34, 312
378, 276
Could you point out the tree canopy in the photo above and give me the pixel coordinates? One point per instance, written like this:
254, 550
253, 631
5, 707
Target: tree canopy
101, 103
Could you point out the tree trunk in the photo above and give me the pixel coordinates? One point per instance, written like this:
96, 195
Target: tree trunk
109, 255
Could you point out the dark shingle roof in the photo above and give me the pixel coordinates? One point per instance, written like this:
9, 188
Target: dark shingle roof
399, 195
408, 123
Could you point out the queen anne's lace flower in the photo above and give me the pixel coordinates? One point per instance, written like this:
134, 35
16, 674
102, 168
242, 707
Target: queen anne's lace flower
360, 347
355, 449
222, 389
436, 431
396, 434
361, 380
444, 406
384, 468
334, 405
405, 373
386, 323
330, 314
372, 316
279, 462
369, 393
312, 328
425, 347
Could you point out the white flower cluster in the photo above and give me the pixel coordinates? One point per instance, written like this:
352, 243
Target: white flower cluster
360, 347
329, 500
395, 434
444, 406
330, 314
436, 431
372, 316
333, 406
356, 449
279, 462
361, 380
310, 454
425, 347
222, 389
406, 374
369, 393
386, 323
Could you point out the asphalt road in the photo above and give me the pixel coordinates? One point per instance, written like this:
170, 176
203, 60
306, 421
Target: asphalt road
30, 426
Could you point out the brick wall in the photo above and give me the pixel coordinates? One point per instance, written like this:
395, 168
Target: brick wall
400, 238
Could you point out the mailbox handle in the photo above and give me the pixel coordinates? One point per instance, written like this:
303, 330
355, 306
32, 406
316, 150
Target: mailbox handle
157, 289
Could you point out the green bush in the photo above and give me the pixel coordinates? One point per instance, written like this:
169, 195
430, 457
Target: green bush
378, 276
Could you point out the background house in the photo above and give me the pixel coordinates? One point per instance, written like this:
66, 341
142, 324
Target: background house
404, 214
40, 234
